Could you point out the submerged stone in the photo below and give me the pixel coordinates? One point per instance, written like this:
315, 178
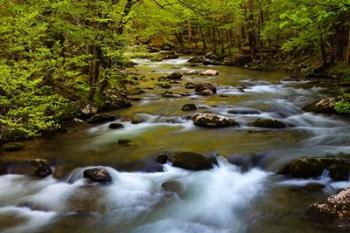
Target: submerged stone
268, 123
189, 107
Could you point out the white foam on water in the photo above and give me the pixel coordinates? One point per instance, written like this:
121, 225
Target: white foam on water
12, 187
212, 201
152, 122
35, 220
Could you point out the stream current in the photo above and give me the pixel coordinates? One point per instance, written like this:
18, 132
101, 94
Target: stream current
229, 198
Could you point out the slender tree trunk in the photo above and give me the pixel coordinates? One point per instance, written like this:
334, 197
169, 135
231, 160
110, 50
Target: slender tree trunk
203, 40
190, 33
323, 52
347, 53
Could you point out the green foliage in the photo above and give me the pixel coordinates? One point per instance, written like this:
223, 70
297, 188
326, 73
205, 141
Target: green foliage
342, 107
54, 54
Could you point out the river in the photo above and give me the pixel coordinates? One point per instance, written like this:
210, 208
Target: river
228, 198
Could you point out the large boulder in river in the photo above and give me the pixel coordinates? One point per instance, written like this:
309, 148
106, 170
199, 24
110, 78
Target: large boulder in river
99, 175
191, 161
335, 211
268, 123
209, 73
325, 106
205, 89
175, 76
309, 167
211, 120
101, 118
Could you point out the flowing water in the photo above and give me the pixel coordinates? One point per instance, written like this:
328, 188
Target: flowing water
230, 198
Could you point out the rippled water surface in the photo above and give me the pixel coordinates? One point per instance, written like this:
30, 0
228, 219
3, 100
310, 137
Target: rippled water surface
226, 198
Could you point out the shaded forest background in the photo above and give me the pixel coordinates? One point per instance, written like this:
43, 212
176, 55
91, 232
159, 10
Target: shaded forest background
63, 59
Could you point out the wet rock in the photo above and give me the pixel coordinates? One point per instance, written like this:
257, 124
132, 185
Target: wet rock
244, 111
116, 104
190, 85
189, 107
136, 120
190, 72
335, 211
36, 167
172, 56
78, 121
114, 100
172, 186
268, 123
196, 60
205, 89
152, 49
210, 120
101, 118
191, 161
99, 175
170, 94
116, 126
325, 106
208, 61
12, 146
339, 169
88, 111
209, 73
42, 167
291, 78
175, 76
162, 159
